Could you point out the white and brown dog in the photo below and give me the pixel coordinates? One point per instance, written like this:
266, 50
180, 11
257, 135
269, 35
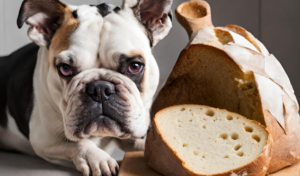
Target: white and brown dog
87, 86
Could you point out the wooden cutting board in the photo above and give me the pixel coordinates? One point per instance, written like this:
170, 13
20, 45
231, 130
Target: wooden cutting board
134, 164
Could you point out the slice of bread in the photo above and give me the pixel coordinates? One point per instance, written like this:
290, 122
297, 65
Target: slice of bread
207, 141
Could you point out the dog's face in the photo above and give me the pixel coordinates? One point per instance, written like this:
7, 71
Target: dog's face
101, 72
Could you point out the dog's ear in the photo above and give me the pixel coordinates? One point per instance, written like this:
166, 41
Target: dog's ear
44, 18
156, 15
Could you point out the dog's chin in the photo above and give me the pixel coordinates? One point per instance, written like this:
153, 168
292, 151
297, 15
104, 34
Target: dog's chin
102, 126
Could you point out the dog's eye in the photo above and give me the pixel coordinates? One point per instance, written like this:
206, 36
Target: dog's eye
135, 68
65, 70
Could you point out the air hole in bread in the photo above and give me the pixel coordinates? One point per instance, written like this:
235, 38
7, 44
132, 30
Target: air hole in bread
184, 145
226, 156
204, 127
182, 109
204, 119
229, 117
191, 120
240, 153
248, 129
203, 156
234, 136
196, 153
179, 125
210, 113
256, 137
224, 136
237, 147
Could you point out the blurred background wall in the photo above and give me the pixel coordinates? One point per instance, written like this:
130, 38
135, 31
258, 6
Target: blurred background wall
275, 22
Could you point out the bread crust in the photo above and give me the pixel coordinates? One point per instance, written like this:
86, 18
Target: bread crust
286, 147
161, 157
243, 32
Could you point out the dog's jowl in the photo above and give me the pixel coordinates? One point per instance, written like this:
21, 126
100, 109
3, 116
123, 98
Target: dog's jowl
87, 82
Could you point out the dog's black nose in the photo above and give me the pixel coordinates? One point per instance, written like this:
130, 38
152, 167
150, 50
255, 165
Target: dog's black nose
100, 91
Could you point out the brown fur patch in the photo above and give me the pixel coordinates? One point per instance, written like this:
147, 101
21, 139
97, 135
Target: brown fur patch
61, 39
137, 53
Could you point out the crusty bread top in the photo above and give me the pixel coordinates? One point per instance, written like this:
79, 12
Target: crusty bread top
271, 79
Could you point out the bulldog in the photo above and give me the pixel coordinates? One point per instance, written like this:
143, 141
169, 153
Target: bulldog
87, 83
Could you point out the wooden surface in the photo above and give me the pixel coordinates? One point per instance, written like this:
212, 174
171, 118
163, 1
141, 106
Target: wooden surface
134, 165
289, 171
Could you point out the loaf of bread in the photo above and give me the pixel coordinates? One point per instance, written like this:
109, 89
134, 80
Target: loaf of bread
207, 141
228, 68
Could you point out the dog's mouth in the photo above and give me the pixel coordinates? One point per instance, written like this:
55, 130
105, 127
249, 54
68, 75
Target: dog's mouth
102, 126
103, 119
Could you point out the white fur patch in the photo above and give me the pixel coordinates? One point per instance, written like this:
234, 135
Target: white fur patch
162, 32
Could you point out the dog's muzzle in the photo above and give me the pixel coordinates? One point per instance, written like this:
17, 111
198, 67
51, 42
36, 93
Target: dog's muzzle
104, 110
104, 103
